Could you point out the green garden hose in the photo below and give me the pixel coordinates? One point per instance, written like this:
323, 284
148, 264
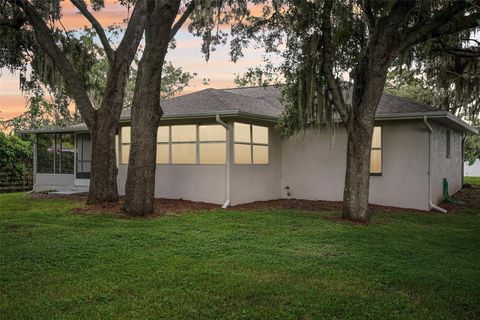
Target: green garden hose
446, 196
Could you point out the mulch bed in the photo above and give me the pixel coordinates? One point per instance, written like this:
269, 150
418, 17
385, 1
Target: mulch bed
469, 195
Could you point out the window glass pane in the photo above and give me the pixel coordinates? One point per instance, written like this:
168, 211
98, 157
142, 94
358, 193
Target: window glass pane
184, 153
163, 154
67, 153
260, 134
116, 149
212, 133
45, 153
184, 133
126, 134
163, 134
376, 161
241, 132
377, 137
243, 154
125, 153
260, 154
213, 153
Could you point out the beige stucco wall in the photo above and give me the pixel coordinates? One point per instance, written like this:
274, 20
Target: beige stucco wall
50, 182
190, 182
258, 182
313, 166
443, 167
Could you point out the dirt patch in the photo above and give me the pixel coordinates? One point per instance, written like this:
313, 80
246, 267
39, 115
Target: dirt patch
313, 205
469, 195
163, 207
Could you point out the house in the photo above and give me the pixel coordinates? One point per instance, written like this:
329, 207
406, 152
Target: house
221, 146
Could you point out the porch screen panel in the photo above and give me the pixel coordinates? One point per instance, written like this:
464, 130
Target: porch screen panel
84, 156
46, 153
55, 153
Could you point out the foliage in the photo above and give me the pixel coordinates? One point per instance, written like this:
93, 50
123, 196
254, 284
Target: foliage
281, 264
472, 148
16, 155
258, 76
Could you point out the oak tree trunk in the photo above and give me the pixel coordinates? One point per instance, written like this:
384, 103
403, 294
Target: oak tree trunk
357, 175
103, 175
146, 110
369, 82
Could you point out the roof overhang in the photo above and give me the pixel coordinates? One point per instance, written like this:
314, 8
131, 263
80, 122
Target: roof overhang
206, 117
443, 117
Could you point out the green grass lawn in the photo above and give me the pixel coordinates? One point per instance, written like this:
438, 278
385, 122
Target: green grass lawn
282, 264
472, 180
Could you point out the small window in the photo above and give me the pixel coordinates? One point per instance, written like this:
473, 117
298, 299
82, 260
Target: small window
163, 145
448, 144
251, 144
125, 140
376, 152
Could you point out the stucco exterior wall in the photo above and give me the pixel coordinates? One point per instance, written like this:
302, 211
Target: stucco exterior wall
190, 182
314, 167
50, 182
404, 180
258, 182
442, 166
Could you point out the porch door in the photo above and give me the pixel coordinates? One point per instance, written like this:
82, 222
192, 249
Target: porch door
83, 159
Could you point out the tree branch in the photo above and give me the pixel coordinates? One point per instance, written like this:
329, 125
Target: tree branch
327, 66
82, 7
44, 37
450, 20
182, 19
133, 34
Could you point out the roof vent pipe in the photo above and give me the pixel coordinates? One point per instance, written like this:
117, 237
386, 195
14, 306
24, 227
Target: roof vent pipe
227, 176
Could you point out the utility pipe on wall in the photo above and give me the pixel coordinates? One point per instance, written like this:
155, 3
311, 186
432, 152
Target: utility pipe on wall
430, 130
227, 178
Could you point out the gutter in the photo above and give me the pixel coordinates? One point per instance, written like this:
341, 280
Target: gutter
228, 167
430, 130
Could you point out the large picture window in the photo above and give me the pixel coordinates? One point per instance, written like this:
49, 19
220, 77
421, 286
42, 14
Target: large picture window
184, 144
251, 144
55, 153
376, 152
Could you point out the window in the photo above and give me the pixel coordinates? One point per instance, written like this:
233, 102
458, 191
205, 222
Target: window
448, 138
184, 144
55, 153
212, 147
251, 144
125, 139
376, 152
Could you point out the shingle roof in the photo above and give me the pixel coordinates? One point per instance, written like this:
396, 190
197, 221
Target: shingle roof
265, 102
261, 101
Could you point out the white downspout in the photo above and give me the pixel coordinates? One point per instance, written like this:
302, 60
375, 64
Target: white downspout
430, 130
227, 178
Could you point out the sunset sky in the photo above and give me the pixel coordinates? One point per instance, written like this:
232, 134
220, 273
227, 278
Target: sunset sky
220, 70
